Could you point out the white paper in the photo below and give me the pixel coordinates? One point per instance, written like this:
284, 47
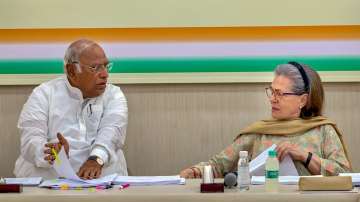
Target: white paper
149, 180
28, 181
57, 183
287, 167
63, 167
288, 180
103, 180
257, 165
354, 176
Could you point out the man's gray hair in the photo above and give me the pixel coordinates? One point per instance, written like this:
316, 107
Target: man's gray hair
294, 75
74, 52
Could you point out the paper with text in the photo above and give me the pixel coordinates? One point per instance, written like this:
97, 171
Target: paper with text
57, 183
63, 167
257, 165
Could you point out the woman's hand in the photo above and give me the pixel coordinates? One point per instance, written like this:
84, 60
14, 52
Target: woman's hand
298, 154
190, 173
295, 152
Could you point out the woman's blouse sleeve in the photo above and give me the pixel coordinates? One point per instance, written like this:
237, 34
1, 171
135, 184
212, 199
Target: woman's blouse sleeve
226, 160
333, 160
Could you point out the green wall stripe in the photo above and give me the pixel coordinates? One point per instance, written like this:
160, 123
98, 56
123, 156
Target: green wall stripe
173, 65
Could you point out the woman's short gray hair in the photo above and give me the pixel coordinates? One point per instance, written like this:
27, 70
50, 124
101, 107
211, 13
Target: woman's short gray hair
294, 75
74, 52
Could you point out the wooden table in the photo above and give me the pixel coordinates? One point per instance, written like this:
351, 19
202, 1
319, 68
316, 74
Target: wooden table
189, 193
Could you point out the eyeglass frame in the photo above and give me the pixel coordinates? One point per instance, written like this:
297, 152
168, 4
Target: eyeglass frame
279, 96
95, 68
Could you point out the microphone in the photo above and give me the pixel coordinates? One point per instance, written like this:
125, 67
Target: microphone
230, 179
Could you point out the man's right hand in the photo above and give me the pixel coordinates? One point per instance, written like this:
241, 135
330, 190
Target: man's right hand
49, 155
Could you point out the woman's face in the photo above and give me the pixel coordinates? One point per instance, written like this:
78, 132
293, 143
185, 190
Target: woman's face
285, 105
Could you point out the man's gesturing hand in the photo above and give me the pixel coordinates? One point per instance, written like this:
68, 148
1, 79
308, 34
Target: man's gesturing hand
49, 155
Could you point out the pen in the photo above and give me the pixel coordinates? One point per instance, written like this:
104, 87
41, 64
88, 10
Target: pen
66, 187
63, 188
124, 186
56, 156
103, 187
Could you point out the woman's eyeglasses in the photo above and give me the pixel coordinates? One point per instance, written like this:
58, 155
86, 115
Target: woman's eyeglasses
277, 93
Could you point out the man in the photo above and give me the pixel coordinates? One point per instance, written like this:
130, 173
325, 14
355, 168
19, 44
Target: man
79, 112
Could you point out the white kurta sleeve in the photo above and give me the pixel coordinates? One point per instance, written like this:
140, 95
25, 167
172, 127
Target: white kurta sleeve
101, 153
33, 127
113, 124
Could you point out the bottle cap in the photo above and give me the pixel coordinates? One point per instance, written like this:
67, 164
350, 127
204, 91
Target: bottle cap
272, 153
243, 154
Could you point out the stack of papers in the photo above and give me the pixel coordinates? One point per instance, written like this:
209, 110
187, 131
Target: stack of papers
29, 181
149, 180
69, 178
289, 180
355, 178
76, 184
257, 165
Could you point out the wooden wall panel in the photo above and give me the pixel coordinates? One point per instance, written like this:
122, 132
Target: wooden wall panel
172, 126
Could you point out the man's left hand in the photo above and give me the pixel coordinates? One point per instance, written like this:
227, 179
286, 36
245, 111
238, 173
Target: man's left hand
90, 170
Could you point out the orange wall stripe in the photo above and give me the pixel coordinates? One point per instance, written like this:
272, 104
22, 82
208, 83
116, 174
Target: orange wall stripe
183, 34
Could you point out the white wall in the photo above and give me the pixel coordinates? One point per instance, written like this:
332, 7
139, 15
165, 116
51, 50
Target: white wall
176, 13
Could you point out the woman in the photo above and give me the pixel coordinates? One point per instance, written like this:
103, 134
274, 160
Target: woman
313, 142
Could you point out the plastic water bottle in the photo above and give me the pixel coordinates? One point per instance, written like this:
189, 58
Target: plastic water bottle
243, 178
272, 173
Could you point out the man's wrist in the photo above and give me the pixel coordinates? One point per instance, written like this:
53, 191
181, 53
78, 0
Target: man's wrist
100, 152
97, 159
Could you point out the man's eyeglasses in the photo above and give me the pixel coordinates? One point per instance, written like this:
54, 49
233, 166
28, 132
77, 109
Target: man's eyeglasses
277, 93
98, 67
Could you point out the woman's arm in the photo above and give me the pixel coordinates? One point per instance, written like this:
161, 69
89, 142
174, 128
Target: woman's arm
223, 162
334, 160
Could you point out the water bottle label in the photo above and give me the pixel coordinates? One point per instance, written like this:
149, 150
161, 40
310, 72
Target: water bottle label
272, 174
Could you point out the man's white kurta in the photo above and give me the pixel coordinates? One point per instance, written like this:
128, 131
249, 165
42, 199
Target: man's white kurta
94, 126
